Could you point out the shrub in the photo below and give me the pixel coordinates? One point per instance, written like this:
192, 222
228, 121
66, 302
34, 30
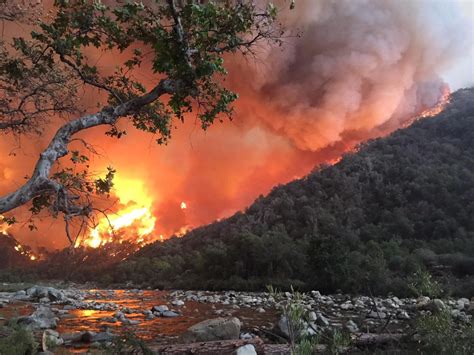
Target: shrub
439, 334
423, 284
20, 342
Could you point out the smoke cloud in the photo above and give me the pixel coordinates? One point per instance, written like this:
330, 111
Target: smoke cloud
349, 70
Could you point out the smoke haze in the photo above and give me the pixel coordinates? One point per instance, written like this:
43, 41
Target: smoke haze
358, 69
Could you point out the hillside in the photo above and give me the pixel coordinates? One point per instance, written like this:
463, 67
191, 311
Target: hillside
366, 224
398, 205
13, 254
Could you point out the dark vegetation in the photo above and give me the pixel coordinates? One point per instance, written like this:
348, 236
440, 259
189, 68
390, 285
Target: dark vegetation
399, 207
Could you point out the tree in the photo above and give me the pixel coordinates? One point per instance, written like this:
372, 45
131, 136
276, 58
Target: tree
182, 41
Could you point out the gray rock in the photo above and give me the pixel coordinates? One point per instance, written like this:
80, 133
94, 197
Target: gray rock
347, 306
213, 329
312, 316
403, 315
248, 349
160, 309
422, 301
351, 326
322, 320
42, 318
177, 303
283, 326
169, 314
437, 305
39, 292
377, 315
462, 303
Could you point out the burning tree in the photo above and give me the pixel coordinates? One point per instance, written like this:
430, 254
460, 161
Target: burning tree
181, 42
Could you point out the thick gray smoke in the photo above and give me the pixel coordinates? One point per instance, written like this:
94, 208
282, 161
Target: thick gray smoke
360, 67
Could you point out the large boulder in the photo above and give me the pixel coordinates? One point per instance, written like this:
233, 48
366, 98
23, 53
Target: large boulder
42, 292
213, 329
42, 318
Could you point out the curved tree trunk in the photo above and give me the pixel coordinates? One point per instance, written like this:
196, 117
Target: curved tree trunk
40, 182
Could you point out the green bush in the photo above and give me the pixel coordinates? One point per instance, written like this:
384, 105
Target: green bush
423, 284
439, 334
20, 342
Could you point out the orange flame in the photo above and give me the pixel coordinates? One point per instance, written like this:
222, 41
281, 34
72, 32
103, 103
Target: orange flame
440, 106
134, 222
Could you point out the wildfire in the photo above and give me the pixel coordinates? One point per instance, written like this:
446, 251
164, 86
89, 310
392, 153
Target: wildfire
3, 226
134, 222
440, 106
26, 251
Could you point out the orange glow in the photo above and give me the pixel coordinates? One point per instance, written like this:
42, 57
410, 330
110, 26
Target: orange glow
3, 227
440, 106
133, 222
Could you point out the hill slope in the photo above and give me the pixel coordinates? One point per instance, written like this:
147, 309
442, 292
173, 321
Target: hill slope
400, 203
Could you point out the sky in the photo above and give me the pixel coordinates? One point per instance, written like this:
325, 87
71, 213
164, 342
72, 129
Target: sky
462, 74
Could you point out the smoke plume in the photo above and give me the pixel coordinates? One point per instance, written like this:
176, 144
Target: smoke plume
349, 70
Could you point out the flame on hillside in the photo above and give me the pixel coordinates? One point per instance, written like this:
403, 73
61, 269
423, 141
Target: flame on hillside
133, 222
440, 106
3, 226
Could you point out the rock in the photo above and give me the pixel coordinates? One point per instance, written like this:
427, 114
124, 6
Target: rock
42, 318
160, 309
246, 336
51, 340
213, 329
438, 305
312, 316
403, 315
347, 306
39, 292
322, 320
248, 349
377, 315
260, 310
462, 303
44, 300
351, 326
283, 326
177, 303
422, 301
169, 314
397, 301
461, 316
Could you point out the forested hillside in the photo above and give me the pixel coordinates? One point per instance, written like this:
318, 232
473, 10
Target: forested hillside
398, 205
366, 224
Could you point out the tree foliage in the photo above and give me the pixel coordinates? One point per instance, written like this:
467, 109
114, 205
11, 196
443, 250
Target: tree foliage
181, 44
